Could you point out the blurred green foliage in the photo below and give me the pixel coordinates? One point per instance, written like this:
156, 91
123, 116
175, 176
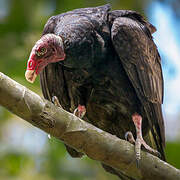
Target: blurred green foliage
172, 153
21, 24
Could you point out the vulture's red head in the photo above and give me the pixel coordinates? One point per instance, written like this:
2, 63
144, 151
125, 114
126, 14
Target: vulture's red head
47, 50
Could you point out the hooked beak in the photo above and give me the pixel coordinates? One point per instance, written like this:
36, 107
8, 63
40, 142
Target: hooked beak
30, 73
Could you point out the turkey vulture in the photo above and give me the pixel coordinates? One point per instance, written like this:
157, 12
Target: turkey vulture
105, 63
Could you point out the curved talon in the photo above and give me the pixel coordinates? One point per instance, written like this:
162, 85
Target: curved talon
75, 111
129, 137
126, 136
137, 162
55, 101
158, 154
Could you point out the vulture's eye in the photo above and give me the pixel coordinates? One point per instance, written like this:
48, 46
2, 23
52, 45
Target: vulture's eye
41, 51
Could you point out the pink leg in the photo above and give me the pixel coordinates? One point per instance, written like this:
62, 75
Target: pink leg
137, 119
80, 111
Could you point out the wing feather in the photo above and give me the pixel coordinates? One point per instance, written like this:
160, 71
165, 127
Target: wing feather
142, 63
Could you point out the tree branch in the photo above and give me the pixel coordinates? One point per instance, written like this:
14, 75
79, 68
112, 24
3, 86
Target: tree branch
82, 136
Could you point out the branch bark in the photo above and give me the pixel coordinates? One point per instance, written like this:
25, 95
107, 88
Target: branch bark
82, 136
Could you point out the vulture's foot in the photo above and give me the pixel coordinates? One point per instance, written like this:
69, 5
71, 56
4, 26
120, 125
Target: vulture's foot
137, 119
80, 111
55, 101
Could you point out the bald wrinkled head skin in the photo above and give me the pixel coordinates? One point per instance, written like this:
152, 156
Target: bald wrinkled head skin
48, 49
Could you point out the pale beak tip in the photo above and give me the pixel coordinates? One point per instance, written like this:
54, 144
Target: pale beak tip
30, 76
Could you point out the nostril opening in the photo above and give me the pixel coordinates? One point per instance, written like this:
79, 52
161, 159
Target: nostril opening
30, 64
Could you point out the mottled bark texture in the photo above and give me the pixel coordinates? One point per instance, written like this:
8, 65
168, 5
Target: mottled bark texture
80, 135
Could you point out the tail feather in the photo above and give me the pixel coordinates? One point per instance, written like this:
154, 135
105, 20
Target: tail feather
157, 134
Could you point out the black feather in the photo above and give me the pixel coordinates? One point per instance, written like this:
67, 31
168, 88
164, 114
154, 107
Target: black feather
112, 67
